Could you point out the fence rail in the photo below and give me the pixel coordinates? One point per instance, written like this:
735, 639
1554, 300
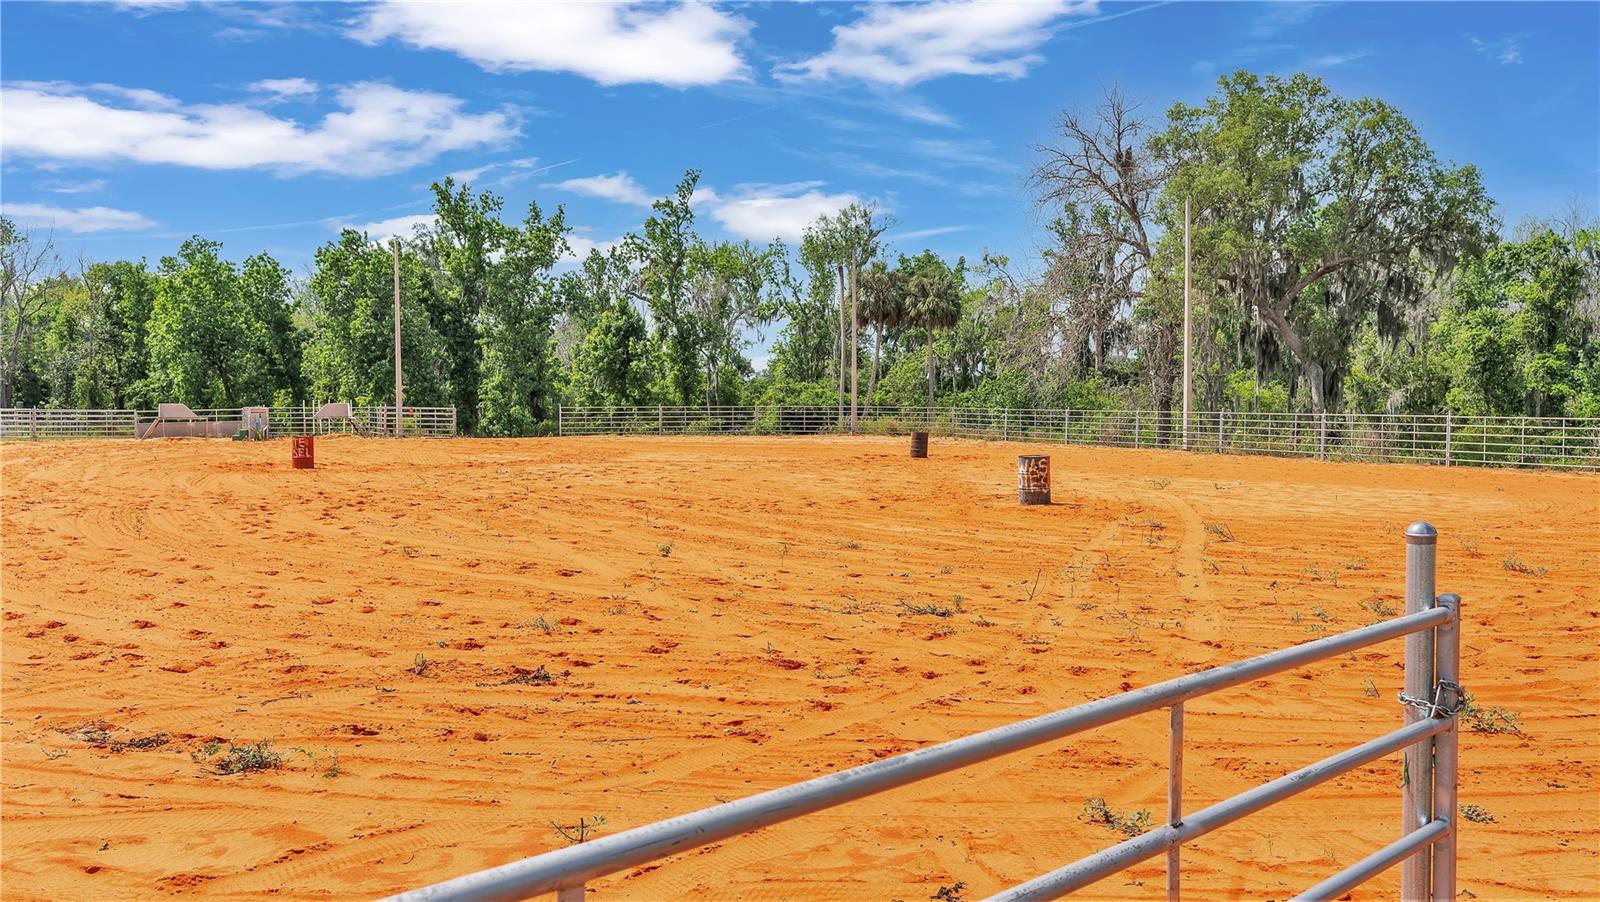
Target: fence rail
46, 423
1426, 846
1448, 439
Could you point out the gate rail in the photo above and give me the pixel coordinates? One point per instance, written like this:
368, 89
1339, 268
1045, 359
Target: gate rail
1429, 739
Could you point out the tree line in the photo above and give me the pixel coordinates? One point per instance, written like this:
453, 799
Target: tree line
1337, 264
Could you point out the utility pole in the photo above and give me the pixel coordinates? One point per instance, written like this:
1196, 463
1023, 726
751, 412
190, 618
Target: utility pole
399, 399
1187, 379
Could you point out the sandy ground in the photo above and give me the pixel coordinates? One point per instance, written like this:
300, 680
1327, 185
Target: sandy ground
722, 616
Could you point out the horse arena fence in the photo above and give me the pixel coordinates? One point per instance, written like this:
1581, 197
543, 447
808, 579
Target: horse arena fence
1431, 701
1446, 439
48, 423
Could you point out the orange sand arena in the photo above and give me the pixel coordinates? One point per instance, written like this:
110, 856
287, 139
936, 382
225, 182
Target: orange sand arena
722, 616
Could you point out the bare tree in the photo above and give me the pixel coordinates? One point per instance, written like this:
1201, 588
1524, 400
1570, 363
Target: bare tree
1102, 180
26, 259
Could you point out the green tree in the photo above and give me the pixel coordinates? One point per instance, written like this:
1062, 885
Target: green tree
350, 356
519, 327
268, 296
664, 256
1318, 211
612, 365
204, 342
882, 306
462, 250
933, 300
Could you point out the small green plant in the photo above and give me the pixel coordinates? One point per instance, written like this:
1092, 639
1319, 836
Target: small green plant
1468, 545
1490, 720
333, 769
420, 664
666, 550
1378, 607
932, 608
947, 569
579, 832
1369, 688
1096, 811
1517, 565
852, 545
950, 893
1221, 531
539, 676
242, 759
1160, 482
1476, 814
539, 623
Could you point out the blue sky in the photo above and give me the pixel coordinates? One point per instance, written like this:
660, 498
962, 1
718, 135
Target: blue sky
127, 127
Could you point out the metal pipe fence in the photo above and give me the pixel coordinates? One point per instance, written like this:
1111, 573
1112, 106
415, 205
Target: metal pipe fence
1448, 439
1430, 729
46, 423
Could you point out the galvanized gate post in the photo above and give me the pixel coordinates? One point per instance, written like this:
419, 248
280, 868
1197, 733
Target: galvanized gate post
1448, 428
561, 420
1175, 796
1416, 805
1446, 749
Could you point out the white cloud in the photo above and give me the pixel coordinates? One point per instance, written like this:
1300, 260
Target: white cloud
285, 88
1508, 50
394, 227
620, 187
765, 212
902, 44
58, 186
1330, 60
580, 246
379, 129
929, 233
612, 43
80, 220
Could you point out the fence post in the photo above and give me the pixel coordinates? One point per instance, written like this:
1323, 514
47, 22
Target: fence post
1322, 435
661, 420
1222, 416
1446, 749
1448, 426
1066, 426
33, 423
1416, 803
1005, 425
561, 419
1138, 427
1175, 796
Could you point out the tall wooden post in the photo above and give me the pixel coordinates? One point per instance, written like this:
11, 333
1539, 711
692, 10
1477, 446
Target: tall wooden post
1187, 377
399, 387
399, 398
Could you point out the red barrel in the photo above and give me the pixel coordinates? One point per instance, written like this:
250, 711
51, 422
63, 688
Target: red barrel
919, 444
1033, 479
302, 452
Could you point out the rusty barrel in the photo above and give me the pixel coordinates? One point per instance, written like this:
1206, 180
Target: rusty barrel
302, 452
919, 444
1033, 479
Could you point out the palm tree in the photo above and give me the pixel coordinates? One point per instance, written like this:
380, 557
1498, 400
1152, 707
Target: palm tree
883, 306
933, 302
